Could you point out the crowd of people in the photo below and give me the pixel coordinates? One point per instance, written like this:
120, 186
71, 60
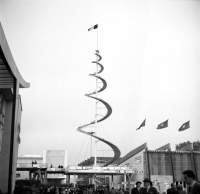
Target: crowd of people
188, 177
64, 190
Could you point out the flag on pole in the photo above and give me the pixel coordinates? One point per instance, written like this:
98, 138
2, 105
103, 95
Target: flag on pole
185, 126
142, 125
163, 125
94, 27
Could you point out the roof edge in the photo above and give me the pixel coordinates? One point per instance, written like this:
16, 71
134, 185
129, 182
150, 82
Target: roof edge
165, 147
10, 61
133, 152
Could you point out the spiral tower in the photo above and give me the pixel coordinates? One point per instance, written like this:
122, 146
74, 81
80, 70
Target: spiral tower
99, 69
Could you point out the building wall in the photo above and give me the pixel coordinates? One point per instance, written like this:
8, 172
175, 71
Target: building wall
136, 163
55, 158
160, 163
117, 180
16, 137
5, 146
26, 161
2, 116
197, 163
29, 160
181, 162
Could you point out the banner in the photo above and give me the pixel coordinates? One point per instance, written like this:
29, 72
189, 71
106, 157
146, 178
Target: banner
161, 182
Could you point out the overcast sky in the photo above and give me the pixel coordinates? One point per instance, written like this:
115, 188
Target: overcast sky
150, 53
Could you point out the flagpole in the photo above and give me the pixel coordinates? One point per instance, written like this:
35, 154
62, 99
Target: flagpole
96, 114
97, 38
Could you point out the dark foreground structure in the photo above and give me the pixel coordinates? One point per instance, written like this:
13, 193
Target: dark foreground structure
10, 115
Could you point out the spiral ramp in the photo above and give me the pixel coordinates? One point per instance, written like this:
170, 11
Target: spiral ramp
115, 149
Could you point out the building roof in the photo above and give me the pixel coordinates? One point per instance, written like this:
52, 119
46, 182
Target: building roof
133, 152
165, 147
8, 68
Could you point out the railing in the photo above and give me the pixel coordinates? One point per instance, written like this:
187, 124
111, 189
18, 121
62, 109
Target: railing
30, 165
97, 168
56, 169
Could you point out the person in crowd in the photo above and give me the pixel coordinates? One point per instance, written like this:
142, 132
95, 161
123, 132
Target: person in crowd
123, 192
137, 189
90, 191
45, 190
85, 191
57, 190
189, 178
60, 190
180, 189
112, 191
48, 190
172, 190
148, 187
119, 191
106, 190
80, 191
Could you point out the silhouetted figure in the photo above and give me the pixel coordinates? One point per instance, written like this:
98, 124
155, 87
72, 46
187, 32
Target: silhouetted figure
189, 178
172, 190
180, 189
60, 190
137, 189
148, 187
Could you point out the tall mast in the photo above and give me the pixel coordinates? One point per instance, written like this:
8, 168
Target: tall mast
96, 114
99, 69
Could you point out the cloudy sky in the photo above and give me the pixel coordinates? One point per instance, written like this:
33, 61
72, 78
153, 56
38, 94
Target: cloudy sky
150, 53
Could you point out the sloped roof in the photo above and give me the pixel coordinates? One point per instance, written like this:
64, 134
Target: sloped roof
8, 68
133, 152
165, 147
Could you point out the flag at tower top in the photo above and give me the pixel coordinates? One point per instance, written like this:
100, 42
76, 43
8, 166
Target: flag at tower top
94, 27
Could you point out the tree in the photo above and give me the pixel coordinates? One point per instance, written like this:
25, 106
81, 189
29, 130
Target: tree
196, 145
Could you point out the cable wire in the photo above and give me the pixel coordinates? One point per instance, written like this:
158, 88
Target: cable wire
80, 149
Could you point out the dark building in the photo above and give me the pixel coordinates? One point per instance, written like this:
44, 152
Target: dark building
10, 115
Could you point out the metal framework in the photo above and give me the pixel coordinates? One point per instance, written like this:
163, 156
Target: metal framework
99, 69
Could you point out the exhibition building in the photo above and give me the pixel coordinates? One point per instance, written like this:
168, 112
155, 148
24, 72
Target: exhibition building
11, 82
48, 168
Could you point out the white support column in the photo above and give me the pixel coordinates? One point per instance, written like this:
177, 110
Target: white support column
112, 183
95, 184
74, 180
124, 182
68, 178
